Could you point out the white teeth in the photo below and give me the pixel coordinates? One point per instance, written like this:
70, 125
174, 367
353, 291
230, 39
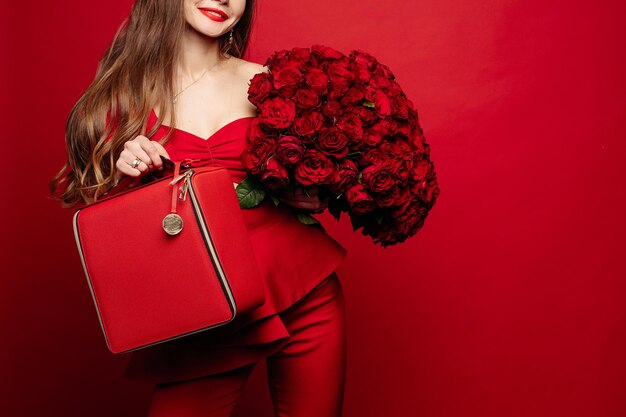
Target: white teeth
215, 13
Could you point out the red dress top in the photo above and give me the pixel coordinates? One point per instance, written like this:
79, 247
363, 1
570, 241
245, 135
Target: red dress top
293, 259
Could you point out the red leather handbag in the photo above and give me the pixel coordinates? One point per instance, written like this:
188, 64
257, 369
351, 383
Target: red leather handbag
168, 258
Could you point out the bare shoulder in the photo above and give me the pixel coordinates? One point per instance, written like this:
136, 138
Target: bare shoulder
249, 69
245, 71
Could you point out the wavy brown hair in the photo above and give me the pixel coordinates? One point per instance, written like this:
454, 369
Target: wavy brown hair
135, 73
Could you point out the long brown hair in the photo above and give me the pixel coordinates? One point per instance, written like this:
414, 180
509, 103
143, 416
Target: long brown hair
135, 73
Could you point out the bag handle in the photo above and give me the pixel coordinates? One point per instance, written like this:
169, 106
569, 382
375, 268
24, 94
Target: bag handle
173, 222
176, 179
179, 192
185, 163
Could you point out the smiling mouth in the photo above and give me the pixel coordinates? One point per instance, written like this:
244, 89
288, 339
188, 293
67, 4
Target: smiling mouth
214, 13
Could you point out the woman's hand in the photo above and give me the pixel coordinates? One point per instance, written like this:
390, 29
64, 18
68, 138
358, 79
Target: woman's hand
146, 150
312, 202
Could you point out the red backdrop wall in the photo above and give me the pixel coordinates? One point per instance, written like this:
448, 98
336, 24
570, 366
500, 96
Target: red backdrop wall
509, 302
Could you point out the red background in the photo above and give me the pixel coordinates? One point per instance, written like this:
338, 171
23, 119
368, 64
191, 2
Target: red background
509, 302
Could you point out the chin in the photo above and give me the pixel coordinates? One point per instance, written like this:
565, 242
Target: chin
207, 30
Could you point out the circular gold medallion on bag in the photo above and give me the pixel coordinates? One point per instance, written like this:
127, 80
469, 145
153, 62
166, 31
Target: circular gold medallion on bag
172, 224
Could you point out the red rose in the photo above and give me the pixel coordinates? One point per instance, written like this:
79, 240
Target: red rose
340, 69
394, 165
388, 198
399, 108
374, 134
306, 99
333, 142
276, 59
410, 163
332, 109
419, 143
390, 125
404, 195
289, 150
255, 130
393, 90
384, 71
373, 157
401, 157
402, 128
352, 126
308, 123
367, 116
413, 118
362, 74
288, 76
363, 59
288, 91
275, 175
352, 96
298, 57
326, 52
421, 169
382, 104
360, 201
314, 168
378, 83
346, 176
260, 87
385, 233
338, 87
413, 123
411, 106
397, 148
257, 153
402, 171
317, 80
407, 217
428, 190
378, 178
409, 228
277, 113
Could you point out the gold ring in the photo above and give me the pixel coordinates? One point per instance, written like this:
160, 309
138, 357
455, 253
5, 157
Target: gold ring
136, 162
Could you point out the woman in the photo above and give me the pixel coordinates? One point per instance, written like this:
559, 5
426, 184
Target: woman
173, 80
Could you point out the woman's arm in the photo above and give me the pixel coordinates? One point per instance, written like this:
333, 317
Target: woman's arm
308, 200
305, 201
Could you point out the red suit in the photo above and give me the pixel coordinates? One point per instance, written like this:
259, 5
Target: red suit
301, 332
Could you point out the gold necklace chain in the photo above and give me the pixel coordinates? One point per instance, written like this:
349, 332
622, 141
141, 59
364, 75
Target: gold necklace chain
195, 81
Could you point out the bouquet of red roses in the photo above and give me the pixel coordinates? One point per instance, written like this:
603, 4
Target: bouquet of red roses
341, 124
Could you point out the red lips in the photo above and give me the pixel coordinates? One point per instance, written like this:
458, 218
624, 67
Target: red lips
218, 11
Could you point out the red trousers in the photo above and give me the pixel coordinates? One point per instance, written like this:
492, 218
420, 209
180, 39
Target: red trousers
306, 376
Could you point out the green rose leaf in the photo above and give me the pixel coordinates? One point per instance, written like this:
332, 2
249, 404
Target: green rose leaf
334, 207
275, 199
307, 219
249, 193
368, 104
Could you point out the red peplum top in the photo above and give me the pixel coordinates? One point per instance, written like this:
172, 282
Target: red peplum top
293, 259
